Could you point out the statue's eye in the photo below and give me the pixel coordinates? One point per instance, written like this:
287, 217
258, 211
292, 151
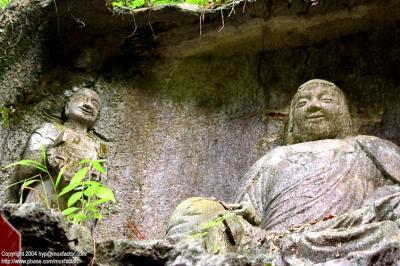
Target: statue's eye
95, 103
327, 100
301, 103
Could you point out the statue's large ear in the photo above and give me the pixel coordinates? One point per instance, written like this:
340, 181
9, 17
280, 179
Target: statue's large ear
66, 110
290, 126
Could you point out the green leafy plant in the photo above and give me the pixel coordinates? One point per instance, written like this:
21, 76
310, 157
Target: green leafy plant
210, 224
167, 2
207, 226
42, 167
5, 112
4, 3
87, 194
132, 4
82, 204
268, 260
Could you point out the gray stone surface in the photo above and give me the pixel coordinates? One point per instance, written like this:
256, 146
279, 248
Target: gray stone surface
155, 142
163, 252
299, 183
125, 252
323, 174
371, 230
323, 171
383, 255
47, 230
186, 115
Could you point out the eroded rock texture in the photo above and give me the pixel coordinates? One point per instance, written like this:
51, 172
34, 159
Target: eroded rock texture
187, 114
45, 230
48, 231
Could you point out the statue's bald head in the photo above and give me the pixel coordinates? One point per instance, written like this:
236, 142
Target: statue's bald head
83, 107
318, 111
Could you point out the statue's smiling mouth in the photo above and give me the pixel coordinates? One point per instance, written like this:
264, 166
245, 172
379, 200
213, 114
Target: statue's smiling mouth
86, 110
315, 117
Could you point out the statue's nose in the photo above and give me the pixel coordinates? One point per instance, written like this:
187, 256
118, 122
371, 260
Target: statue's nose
88, 106
314, 106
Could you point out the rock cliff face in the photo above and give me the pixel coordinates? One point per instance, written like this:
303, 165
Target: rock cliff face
51, 237
186, 114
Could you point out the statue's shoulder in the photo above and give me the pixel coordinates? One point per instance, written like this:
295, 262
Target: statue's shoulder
49, 130
274, 156
375, 143
44, 135
100, 144
316, 146
385, 154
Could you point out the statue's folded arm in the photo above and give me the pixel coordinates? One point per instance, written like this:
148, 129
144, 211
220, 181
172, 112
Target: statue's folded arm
384, 154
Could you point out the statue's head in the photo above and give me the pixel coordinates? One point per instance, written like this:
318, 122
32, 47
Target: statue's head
318, 111
83, 107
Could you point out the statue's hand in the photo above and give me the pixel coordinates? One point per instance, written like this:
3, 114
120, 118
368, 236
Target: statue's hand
54, 160
51, 159
245, 210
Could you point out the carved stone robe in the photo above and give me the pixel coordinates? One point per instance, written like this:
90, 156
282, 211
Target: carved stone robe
298, 183
64, 147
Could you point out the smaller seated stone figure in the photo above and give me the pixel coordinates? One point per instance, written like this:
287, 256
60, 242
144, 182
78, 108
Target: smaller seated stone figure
324, 170
65, 145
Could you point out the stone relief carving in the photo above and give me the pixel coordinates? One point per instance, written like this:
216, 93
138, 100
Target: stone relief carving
65, 144
325, 170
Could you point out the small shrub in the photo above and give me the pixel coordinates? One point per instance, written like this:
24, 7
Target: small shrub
4, 4
87, 194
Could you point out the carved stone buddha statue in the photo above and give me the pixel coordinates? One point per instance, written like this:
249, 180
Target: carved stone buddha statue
324, 169
66, 144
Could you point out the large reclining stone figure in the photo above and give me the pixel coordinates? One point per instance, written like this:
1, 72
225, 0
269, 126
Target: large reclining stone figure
324, 170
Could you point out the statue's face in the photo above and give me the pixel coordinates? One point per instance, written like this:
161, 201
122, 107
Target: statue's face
83, 107
317, 113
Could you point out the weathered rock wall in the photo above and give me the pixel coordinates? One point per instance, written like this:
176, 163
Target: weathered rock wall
24, 27
186, 115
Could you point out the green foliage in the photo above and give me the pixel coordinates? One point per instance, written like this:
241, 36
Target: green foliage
5, 112
87, 195
4, 3
166, 2
82, 204
197, 2
26, 184
268, 260
132, 4
207, 226
211, 224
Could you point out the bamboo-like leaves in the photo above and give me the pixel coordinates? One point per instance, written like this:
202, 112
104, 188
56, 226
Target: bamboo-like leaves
70, 210
90, 195
96, 165
58, 179
91, 190
79, 176
31, 163
105, 193
74, 198
76, 181
87, 194
27, 183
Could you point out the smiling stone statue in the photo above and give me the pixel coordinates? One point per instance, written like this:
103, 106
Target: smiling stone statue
65, 144
325, 170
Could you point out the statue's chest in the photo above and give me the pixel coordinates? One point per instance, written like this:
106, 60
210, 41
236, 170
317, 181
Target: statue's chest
312, 184
70, 148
